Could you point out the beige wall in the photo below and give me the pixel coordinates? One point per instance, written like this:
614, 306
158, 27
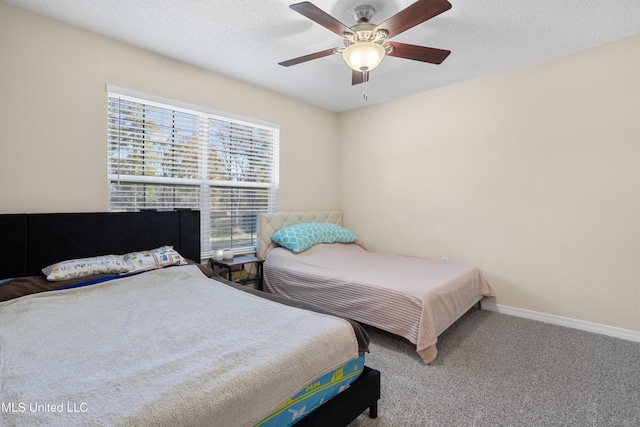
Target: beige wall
53, 116
532, 174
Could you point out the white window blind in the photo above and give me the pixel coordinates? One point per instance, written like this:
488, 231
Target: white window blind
163, 155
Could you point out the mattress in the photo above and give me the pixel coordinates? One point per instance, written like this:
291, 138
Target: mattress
166, 347
415, 298
314, 394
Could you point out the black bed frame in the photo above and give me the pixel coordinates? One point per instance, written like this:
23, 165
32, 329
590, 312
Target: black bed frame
33, 241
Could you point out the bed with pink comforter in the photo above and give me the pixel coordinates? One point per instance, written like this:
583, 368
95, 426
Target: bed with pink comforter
414, 298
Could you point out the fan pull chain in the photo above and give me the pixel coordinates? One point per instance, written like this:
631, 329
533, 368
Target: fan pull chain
364, 90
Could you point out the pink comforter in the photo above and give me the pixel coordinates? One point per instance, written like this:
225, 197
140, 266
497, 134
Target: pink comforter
415, 298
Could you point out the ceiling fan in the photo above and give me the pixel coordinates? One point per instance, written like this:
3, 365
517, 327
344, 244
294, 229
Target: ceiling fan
366, 43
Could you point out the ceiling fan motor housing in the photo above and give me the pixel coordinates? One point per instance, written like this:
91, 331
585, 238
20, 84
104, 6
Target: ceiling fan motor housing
363, 31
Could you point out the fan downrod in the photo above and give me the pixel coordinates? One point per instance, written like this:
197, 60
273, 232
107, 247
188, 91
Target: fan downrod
364, 14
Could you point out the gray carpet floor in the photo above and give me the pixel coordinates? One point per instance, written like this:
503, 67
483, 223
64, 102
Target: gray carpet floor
498, 370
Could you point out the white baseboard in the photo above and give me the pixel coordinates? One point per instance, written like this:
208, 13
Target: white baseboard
611, 331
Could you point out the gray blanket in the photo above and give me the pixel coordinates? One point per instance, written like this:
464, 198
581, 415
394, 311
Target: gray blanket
168, 347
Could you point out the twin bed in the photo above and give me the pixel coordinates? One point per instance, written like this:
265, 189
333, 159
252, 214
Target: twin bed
414, 298
165, 342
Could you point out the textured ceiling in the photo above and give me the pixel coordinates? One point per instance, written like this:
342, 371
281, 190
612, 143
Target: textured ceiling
245, 39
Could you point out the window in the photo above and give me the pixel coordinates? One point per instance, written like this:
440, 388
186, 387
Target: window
165, 154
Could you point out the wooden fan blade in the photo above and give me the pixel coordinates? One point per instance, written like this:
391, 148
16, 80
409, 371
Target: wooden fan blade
418, 53
319, 16
412, 15
309, 57
358, 77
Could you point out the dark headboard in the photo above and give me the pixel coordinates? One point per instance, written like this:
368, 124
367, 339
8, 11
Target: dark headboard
30, 242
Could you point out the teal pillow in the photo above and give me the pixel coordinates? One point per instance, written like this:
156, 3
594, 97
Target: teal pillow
301, 237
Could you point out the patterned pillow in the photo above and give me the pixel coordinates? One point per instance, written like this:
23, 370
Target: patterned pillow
82, 267
300, 237
153, 259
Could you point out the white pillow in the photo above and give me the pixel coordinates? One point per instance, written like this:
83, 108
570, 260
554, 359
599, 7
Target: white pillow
82, 267
153, 259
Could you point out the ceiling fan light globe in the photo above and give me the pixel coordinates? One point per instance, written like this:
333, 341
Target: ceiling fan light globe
363, 56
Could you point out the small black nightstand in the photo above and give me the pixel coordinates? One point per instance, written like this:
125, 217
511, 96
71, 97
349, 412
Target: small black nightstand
241, 261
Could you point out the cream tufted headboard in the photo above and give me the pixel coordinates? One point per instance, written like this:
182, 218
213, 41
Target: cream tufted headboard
269, 223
